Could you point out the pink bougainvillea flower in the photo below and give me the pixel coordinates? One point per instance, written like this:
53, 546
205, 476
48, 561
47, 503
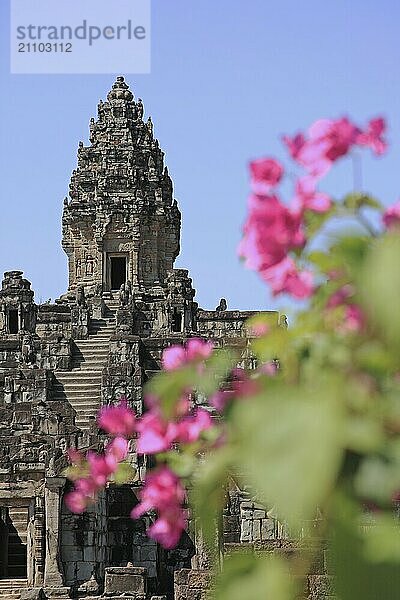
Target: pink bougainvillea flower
326, 142
181, 407
354, 319
265, 174
191, 427
162, 491
117, 420
285, 278
391, 216
118, 448
198, 349
294, 144
307, 197
270, 231
76, 501
168, 528
373, 136
173, 358
101, 467
195, 350
155, 434
86, 486
220, 399
335, 136
340, 296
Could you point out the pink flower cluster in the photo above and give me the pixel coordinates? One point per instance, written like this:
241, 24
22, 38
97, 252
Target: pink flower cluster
157, 434
271, 231
94, 471
195, 351
327, 140
274, 233
163, 492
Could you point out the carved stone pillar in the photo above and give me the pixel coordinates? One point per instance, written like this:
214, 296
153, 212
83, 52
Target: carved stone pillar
53, 571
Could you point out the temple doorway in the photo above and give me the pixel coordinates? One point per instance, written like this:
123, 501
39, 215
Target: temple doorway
13, 321
117, 271
13, 542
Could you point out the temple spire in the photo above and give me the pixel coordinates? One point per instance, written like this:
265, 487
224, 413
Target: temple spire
120, 90
122, 203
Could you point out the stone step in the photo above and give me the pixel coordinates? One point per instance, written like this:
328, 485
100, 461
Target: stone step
73, 393
61, 375
96, 358
80, 407
87, 407
63, 384
86, 415
101, 356
96, 353
90, 365
79, 394
72, 385
100, 344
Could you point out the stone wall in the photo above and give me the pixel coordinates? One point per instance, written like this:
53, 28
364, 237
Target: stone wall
84, 544
191, 584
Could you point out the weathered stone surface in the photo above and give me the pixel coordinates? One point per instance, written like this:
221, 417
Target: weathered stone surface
33, 594
320, 586
119, 580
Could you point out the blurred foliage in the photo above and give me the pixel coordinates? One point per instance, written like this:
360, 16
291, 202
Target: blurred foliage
321, 436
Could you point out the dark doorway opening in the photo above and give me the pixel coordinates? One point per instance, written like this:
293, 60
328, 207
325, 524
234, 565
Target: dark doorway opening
13, 321
118, 271
176, 321
13, 534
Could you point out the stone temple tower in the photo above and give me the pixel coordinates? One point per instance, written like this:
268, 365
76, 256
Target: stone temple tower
121, 222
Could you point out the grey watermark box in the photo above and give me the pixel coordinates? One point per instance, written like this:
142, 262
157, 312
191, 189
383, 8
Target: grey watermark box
80, 36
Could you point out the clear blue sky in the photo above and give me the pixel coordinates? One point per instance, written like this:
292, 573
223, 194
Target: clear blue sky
228, 78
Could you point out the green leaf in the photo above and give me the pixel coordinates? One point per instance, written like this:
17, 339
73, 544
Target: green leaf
380, 288
254, 578
357, 200
74, 472
217, 368
208, 491
169, 386
377, 479
366, 563
183, 464
315, 221
124, 473
289, 445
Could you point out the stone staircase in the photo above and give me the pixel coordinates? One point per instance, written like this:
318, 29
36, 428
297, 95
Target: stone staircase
82, 385
11, 588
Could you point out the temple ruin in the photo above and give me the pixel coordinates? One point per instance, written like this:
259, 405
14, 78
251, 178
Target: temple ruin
99, 341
